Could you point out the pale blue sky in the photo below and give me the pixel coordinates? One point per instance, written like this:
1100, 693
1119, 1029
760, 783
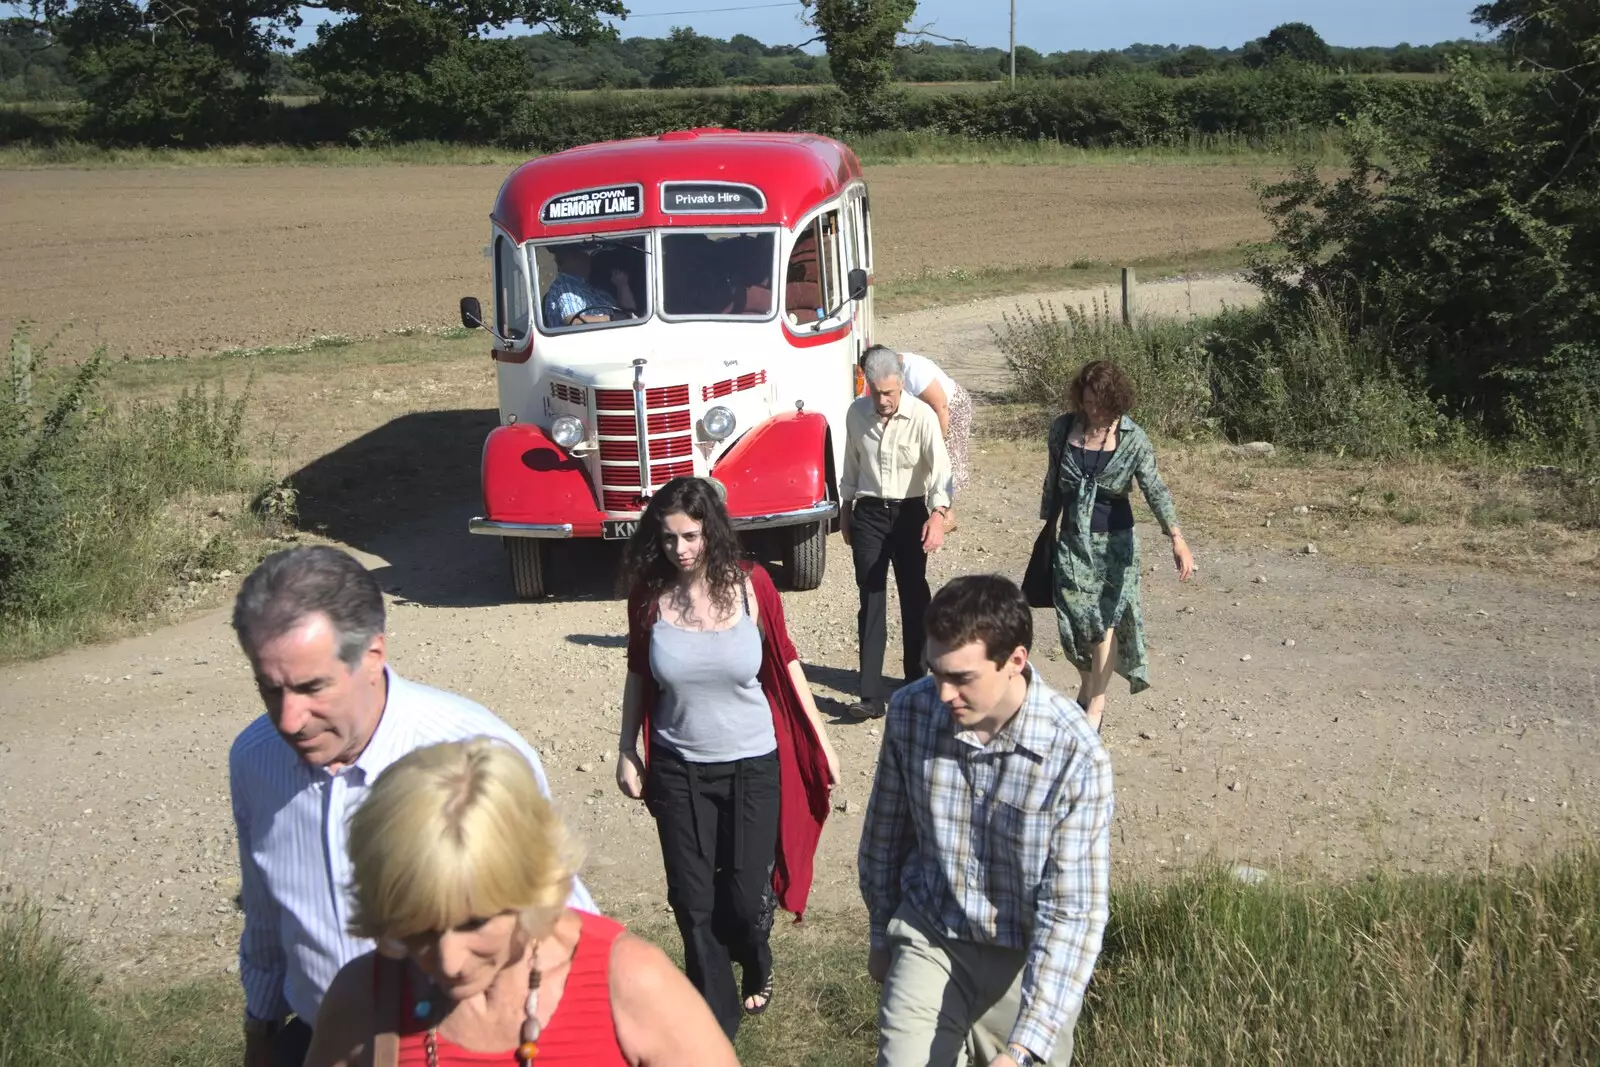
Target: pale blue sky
1058, 25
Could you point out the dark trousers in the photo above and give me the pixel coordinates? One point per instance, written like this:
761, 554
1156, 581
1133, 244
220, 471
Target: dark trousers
718, 824
884, 532
292, 1044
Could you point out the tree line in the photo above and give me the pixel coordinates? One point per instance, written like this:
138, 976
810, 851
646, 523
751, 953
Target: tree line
37, 62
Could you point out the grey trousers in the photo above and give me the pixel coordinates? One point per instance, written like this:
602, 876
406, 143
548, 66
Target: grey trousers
950, 1003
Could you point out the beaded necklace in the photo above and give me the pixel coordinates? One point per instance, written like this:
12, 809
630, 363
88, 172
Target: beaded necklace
527, 1051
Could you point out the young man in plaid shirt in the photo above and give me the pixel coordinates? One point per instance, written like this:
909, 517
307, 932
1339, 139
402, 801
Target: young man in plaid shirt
985, 860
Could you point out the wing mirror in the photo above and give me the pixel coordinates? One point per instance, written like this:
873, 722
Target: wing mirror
472, 319
856, 284
856, 281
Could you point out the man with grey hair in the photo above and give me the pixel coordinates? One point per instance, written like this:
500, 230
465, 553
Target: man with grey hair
895, 493
311, 621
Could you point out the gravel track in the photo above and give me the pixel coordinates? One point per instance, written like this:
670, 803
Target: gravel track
1420, 716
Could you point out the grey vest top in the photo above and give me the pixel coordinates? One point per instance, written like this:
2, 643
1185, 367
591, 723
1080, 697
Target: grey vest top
711, 708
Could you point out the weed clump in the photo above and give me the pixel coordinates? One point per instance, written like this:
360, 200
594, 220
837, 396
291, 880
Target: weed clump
104, 508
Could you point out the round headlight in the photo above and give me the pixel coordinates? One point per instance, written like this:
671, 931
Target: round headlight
718, 423
566, 431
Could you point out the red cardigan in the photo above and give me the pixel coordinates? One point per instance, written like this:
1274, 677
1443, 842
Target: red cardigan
802, 766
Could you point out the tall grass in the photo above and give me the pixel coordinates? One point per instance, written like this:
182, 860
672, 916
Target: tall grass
74, 153
1300, 379
1296, 380
1193, 147
873, 149
1494, 967
48, 1016
52, 1013
103, 509
1166, 358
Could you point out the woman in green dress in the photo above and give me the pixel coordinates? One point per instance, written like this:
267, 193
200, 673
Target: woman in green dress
1096, 452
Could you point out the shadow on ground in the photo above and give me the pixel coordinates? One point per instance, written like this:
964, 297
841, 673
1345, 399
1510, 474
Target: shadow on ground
404, 492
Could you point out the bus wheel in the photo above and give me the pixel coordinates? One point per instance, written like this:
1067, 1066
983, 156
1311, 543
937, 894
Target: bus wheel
805, 555
527, 566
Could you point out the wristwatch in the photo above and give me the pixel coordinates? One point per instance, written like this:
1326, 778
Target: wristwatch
1023, 1057
261, 1028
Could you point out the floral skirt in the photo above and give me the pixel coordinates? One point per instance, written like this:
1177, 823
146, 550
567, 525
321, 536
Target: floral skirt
958, 439
1103, 596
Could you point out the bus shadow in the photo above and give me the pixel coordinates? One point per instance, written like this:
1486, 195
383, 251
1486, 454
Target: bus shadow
404, 492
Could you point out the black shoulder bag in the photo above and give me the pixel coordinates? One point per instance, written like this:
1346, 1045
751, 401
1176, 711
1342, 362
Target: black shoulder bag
1038, 582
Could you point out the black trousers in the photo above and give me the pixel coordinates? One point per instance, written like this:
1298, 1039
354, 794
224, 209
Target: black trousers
884, 532
292, 1044
718, 824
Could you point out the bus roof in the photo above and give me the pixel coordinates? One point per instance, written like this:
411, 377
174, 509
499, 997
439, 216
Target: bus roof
683, 178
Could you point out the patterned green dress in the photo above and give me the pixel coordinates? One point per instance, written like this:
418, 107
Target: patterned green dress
1097, 574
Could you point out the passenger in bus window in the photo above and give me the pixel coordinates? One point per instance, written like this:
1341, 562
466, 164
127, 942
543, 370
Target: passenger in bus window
573, 292
752, 277
695, 276
618, 270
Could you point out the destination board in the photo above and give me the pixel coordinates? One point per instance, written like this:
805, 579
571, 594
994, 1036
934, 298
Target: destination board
595, 205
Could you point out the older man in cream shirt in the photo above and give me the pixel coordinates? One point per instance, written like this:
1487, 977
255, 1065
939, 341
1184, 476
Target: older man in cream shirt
896, 496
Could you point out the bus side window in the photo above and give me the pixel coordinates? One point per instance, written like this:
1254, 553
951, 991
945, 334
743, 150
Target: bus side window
866, 230
812, 279
830, 260
802, 288
511, 309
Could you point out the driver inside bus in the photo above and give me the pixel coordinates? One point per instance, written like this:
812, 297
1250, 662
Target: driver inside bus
574, 298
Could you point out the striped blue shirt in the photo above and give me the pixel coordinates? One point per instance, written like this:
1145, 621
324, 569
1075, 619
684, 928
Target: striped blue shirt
1006, 843
293, 864
570, 294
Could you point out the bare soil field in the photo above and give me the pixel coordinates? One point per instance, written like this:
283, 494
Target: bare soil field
174, 262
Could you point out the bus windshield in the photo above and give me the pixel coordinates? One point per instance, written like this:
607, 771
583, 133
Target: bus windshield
592, 281
717, 273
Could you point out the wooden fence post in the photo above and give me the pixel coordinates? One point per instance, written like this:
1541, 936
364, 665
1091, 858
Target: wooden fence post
21, 369
1130, 296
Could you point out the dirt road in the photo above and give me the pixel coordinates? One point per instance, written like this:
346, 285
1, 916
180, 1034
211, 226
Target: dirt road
1307, 712
963, 336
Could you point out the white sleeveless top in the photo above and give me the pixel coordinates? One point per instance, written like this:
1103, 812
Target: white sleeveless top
921, 372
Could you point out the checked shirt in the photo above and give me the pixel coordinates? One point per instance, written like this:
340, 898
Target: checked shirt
1004, 844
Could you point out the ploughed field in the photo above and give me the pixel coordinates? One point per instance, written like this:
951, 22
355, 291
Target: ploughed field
174, 262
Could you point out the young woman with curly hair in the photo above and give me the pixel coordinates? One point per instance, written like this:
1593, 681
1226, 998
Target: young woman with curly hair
736, 765
1096, 453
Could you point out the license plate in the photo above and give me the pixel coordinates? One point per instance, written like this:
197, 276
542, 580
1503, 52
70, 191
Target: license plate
618, 529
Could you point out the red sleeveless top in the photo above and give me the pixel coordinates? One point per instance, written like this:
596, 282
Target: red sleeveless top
582, 1030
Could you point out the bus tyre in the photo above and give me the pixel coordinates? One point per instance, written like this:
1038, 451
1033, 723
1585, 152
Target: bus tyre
527, 566
805, 556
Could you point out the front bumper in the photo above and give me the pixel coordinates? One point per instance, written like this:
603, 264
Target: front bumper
823, 512
481, 525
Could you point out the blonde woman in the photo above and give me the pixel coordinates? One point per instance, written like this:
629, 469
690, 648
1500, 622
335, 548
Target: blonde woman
460, 872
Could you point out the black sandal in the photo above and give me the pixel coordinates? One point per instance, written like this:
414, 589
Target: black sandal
766, 999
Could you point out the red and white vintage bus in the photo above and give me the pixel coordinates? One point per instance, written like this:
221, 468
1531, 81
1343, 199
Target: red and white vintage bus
692, 303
